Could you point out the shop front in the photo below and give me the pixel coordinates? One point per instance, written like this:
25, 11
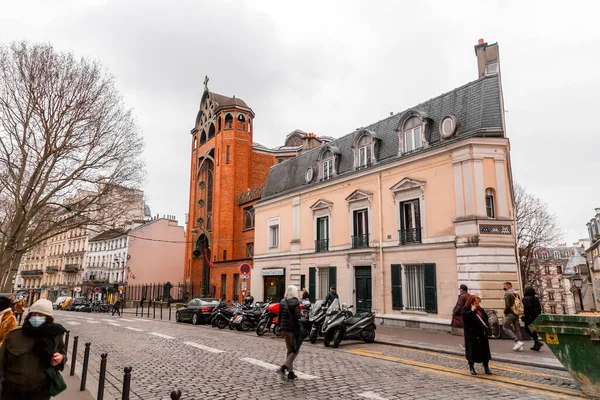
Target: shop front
273, 283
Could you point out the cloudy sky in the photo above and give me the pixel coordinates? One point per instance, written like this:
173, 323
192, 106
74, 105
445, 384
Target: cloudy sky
331, 66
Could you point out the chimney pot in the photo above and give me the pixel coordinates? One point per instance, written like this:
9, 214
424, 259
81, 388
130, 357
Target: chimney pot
481, 41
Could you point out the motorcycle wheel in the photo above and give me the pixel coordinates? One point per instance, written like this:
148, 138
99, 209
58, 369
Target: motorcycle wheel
177, 317
221, 323
368, 334
260, 329
337, 338
195, 319
313, 336
327, 340
213, 322
231, 325
277, 331
246, 326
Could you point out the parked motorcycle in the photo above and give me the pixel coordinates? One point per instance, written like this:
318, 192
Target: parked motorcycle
244, 319
316, 317
269, 321
341, 324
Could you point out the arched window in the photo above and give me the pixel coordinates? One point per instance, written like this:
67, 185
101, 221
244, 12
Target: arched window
294, 141
211, 131
219, 123
241, 122
490, 203
365, 152
327, 165
228, 121
413, 134
202, 138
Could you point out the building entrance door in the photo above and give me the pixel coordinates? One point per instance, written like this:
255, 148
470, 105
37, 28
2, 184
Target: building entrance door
363, 289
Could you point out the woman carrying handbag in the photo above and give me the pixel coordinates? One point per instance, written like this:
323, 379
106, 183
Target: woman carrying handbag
477, 332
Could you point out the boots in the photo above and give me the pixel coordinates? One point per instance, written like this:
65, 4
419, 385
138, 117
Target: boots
472, 368
487, 370
538, 345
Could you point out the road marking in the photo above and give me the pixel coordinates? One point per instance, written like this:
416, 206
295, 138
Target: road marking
134, 329
92, 322
108, 320
161, 335
274, 367
203, 347
73, 323
372, 395
128, 320
113, 324
143, 320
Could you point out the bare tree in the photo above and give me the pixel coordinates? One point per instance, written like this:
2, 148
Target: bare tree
69, 149
536, 228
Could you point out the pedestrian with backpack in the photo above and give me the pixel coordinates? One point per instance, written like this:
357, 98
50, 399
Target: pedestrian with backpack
513, 309
533, 309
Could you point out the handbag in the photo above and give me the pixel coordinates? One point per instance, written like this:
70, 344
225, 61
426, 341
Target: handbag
57, 383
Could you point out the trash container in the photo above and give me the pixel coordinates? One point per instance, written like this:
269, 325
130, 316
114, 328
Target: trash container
575, 341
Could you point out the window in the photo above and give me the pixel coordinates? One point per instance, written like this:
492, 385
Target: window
412, 134
490, 208
361, 228
223, 286
236, 287
241, 122
227, 155
551, 296
248, 217
219, 124
552, 309
322, 242
328, 159
228, 121
559, 269
211, 131
202, 138
547, 270
224, 255
564, 309
544, 255
364, 152
448, 126
414, 287
410, 222
319, 281
274, 236
249, 250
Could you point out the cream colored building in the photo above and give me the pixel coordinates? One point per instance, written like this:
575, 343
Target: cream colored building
398, 214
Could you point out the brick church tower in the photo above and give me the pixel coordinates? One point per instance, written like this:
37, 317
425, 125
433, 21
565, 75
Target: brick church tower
227, 175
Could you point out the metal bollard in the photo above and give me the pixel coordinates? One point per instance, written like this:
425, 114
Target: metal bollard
136, 310
126, 383
154, 309
176, 394
102, 376
169, 313
74, 355
149, 301
161, 311
86, 360
67, 340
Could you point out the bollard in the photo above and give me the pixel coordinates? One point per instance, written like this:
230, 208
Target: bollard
74, 355
176, 394
86, 360
161, 311
136, 310
149, 301
126, 383
102, 376
154, 310
169, 313
67, 340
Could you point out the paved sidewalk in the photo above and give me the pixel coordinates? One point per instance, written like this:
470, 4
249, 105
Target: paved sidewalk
442, 342
72, 392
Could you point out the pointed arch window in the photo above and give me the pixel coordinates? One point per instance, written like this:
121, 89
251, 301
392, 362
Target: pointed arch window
241, 122
248, 217
219, 123
202, 138
211, 131
229, 121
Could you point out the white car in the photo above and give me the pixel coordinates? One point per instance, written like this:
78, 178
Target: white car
58, 302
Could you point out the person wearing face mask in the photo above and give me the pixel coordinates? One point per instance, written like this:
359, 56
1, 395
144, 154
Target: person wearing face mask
477, 344
32, 355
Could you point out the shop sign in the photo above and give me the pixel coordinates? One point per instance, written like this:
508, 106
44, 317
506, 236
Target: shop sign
77, 289
272, 272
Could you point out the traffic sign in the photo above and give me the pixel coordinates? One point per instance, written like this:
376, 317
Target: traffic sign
97, 290
244, 269
245, 276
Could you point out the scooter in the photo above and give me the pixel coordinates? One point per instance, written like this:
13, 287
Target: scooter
246, 319
269, 321
341, 324
316, 317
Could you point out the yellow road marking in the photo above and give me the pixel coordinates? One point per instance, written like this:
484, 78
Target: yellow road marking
493, 365
494, 379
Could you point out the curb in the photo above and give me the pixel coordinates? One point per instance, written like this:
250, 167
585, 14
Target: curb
495, 357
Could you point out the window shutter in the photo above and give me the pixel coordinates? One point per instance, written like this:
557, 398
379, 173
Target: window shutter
302, 282
430, 289
332, 276
312, 282
397, 287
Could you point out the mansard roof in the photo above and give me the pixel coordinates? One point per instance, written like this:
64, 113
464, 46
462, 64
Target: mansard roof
476, 106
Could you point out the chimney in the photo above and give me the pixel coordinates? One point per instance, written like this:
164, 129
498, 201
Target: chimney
310, 141
488, 58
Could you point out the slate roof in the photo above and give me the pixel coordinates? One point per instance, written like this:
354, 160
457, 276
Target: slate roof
476, 106
109, 234
225, 101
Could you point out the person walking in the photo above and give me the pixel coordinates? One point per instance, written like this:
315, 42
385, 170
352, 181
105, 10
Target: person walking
476, 329
31, 357
305, 295
331, 296
457, 321
117, 308
20, 309
513, 308
533, 309
8, 322
12, 303
289, 321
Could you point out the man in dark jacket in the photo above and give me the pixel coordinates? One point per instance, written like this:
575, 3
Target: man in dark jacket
533, 309
457, 319
289, 321
331, 296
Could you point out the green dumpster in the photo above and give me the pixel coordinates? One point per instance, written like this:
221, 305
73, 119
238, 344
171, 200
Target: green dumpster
575, 341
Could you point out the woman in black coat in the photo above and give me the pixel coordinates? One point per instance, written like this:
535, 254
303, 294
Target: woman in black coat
477, 345
533, 309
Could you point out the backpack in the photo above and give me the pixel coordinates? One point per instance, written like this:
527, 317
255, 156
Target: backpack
518, 308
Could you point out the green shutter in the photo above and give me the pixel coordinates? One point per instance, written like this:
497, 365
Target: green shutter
397, 287
332, 276
312, 282
430, 289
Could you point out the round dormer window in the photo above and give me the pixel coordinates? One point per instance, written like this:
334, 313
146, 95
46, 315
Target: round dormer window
309, 174
448, 126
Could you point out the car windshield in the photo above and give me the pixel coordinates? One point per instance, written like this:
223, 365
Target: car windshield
316, 308
334, 307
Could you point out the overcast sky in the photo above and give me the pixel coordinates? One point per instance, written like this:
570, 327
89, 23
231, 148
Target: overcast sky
330, 67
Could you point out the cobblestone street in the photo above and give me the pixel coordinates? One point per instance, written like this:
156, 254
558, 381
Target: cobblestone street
205, 362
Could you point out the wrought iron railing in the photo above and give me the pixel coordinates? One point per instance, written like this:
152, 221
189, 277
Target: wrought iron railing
52, 268
71, 267
251, 194
360, 241
322, 245
410, 235
32, 272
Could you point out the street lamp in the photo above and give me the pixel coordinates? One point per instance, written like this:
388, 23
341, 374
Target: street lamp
578, 282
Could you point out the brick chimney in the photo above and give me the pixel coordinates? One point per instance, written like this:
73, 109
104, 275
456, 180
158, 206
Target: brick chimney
488, 58
310, 141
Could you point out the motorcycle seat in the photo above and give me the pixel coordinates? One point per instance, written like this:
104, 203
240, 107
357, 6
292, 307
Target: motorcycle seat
356, 318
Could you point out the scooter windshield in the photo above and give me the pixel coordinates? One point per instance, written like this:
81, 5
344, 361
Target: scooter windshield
334, 307
316, 308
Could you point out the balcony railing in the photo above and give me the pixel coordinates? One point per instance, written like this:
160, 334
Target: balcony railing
410, 236
322, 245
52, 269
251, 194
72, 268
360, 241
32, 272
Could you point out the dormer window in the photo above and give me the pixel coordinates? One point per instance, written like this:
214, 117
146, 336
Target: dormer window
327, 170
365, 152
413, 134
327, 161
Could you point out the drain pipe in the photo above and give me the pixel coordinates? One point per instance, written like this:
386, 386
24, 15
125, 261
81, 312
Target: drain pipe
381, 266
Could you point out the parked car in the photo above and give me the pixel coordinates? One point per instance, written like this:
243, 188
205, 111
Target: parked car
65, 303
197, 310
57, 303
77, 301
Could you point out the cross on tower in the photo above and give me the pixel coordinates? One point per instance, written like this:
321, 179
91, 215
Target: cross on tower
206, 82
